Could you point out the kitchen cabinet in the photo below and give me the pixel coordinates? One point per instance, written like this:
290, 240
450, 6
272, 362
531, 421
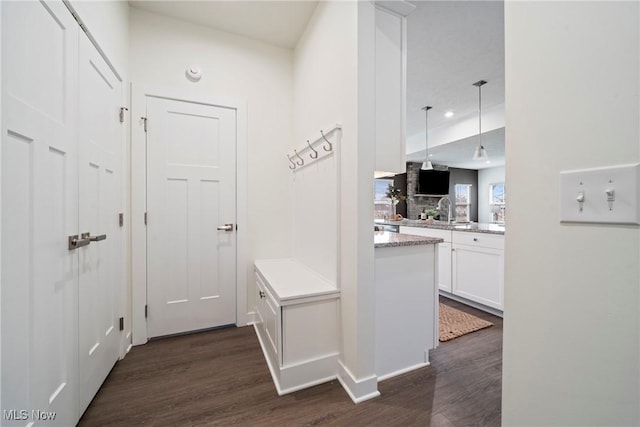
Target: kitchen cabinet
478, 268
406, 305
296, 320
444, 252
390, 88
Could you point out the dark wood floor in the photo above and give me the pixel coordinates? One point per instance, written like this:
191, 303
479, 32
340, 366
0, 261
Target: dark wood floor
221, 378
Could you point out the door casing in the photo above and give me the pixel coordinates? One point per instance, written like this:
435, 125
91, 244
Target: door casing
139, 93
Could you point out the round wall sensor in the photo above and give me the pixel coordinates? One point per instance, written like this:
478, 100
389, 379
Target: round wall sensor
194, 73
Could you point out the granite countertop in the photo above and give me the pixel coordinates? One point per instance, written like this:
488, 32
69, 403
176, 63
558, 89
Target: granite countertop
473, 227
387, 239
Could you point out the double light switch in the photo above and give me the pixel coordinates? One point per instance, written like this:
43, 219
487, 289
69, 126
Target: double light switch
601, 195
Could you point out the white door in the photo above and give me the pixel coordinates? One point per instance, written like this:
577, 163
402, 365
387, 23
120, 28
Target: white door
100, 153
39, 212
191, 195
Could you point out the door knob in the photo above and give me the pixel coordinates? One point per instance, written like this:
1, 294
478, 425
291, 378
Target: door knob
93, 238
226, 227
75, 242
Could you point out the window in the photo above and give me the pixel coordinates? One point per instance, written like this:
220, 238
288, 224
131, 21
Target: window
382, 203
463, 202
497, 202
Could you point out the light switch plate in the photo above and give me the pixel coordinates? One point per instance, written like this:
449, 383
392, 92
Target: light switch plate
593, 184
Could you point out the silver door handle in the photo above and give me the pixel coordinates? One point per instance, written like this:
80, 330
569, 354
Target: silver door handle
93, 238
75, 242
226, 227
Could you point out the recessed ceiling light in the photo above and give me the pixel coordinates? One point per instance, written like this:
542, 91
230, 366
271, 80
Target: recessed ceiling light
430, 155
448, 114
488, 161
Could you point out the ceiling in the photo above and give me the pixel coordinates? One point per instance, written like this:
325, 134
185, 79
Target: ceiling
280, 23
458, 154
450, 45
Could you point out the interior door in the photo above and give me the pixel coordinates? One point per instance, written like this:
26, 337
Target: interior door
191, 241
100, 190
39, 212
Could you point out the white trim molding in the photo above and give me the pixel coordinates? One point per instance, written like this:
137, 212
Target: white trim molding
358, 390
138, 200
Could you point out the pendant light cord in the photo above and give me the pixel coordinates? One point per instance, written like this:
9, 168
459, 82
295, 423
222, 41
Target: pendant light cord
480, 147
426, 131
480, 113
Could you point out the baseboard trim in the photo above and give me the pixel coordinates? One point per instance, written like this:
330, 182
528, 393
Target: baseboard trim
490, 310
251, 318
358, 390
301, 375
403, 371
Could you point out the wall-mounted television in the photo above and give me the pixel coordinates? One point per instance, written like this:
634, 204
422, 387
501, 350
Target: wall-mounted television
433, 182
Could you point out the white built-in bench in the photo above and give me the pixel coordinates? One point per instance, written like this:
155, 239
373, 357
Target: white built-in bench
296, 323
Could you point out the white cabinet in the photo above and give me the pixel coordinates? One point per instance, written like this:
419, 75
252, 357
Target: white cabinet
470, 265
296, 323
406, 307
444, 252
444, 266
390, 87
268, 314
478, 268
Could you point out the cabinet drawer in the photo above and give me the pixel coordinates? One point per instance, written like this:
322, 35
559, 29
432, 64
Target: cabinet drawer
429, 232
268, 311
485, 240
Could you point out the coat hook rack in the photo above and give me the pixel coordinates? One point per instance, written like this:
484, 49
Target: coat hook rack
325, 138
313, 155
293, 165
297, 160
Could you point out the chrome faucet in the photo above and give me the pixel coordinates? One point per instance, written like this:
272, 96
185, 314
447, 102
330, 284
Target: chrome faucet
439, 206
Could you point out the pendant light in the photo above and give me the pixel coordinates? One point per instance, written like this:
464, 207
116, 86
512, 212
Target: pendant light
480, 153
426, 165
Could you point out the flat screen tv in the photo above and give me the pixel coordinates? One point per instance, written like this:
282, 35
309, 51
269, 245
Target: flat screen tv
433, 182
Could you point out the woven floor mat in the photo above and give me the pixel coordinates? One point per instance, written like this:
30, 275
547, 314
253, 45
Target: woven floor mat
455, 323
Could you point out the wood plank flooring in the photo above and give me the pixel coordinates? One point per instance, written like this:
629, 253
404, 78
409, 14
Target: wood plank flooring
220, 378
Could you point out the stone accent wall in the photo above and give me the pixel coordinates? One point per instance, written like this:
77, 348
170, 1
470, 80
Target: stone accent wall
416, 204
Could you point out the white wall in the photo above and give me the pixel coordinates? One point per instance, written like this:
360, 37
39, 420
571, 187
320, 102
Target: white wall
485, 178
108, 22
326, 88
572, 292
162, 48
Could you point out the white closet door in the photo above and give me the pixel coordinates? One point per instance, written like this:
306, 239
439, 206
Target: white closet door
100, 286
191, 191
39, 212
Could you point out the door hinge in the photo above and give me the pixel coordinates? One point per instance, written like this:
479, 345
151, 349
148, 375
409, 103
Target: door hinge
122, 110
146, 311
144, 122
145, 218
122, 323
236, 227
121, 219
